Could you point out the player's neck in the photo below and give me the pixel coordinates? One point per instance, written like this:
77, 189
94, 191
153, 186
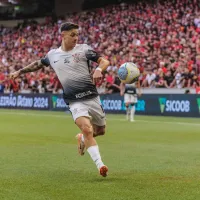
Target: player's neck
66, 48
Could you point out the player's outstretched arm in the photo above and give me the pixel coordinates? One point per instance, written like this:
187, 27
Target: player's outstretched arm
122, 88
103, 64
34, 66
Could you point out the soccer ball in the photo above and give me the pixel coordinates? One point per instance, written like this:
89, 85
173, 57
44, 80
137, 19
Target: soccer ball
128, 73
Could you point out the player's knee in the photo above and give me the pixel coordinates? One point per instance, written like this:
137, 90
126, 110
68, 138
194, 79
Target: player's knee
87, 130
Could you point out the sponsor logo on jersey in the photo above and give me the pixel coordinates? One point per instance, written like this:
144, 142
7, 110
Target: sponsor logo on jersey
81, 95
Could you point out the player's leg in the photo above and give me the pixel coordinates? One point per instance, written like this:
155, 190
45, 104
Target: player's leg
82, 119
132, 112
127, 104
81, 143
98, 130
98, 122
90, 143
79, 109
128, 111
98, 117
87, 130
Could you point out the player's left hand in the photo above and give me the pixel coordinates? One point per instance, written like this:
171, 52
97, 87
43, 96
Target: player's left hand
97, 76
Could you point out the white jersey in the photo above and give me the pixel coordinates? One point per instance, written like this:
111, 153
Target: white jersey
72, 69
130, 88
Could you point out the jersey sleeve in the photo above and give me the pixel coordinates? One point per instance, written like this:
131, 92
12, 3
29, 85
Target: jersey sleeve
91, 54
45, 61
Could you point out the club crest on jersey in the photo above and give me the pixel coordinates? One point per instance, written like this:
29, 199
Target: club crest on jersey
76, 57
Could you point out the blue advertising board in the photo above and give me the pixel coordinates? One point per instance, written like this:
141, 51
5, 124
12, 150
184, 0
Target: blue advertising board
148, 104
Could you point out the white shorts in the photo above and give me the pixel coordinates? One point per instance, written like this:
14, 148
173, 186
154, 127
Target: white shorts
130, 98
90, 108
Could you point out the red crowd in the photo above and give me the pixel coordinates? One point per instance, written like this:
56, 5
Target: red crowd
162, 38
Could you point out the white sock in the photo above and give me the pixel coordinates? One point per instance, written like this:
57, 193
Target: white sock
82, 138
95, 155
132, 113
127, 113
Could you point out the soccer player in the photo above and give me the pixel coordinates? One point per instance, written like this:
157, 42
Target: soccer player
71, 64
130, 98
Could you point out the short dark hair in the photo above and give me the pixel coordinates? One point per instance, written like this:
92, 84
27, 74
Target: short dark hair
67, 26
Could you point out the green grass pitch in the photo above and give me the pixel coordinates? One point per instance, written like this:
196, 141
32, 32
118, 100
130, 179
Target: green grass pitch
154, 158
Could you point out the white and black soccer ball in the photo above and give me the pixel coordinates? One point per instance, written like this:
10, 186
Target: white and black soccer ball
128, 72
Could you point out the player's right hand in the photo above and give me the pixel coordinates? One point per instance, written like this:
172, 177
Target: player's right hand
14, 75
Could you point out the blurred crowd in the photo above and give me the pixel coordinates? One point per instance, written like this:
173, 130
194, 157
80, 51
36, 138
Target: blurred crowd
163, 39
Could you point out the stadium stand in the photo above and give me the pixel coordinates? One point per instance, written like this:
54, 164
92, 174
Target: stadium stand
163, 39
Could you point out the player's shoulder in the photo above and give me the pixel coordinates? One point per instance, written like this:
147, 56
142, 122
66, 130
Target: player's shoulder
52, 51
83, 46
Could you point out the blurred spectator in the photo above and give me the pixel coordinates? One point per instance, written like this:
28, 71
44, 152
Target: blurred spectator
2, 87
113, 87
102, 88
150, 78
187, 91
168, 78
